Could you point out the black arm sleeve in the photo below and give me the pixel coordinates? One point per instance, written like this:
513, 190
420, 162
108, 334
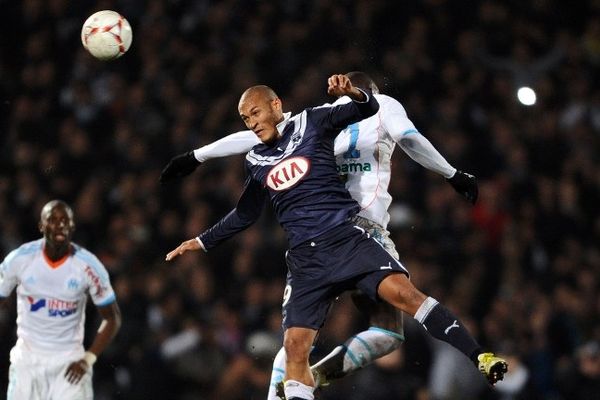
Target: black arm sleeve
336, 118
247, 211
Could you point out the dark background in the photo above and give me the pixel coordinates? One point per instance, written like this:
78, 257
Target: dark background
522, 267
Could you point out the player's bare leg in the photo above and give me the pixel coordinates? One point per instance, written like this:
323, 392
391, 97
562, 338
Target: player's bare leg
440, 322
298, 383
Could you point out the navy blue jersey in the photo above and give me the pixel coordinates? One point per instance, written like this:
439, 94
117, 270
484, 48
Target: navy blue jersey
298, 173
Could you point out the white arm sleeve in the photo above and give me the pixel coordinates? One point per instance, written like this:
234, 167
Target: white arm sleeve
422, 151
236, 143
403, 131
8, 275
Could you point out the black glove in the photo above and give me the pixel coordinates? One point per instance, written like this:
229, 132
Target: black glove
179, 166
466, 185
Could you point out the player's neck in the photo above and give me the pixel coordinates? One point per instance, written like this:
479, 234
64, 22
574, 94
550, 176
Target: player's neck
274, 140
56, 252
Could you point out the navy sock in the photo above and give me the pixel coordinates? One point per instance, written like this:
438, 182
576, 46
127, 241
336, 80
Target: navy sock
445, 326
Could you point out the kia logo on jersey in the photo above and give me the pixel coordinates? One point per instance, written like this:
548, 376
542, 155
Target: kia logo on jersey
287, 173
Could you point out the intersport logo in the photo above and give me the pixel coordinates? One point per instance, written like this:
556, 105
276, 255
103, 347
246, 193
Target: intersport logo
287, 173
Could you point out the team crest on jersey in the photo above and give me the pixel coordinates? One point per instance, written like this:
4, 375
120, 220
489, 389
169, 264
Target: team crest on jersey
73, 284
287, 173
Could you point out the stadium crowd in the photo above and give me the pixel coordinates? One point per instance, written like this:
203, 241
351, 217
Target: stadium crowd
522, 266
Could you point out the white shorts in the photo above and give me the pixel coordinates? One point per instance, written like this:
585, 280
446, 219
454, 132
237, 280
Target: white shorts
41, 376
378, 233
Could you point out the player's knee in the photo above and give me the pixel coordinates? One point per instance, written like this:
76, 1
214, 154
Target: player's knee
297, 347
398, 290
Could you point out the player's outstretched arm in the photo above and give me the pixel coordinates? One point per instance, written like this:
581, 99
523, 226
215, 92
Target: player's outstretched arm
111, 323
184, 164
420, 149
246, 213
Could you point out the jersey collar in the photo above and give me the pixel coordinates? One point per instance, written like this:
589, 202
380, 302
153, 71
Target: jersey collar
55, 264
281, 126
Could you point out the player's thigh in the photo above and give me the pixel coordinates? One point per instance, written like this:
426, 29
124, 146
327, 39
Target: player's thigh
308, 293
23, 383
62, 389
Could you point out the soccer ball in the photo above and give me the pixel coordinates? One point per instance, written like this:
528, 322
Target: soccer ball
106, 35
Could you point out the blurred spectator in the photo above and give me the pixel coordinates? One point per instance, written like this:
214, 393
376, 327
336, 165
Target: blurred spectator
582, 380
524, 262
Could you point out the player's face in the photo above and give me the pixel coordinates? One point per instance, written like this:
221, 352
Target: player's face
57, 225
261, 115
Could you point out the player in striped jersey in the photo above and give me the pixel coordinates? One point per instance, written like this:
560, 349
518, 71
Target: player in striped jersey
53, 277
367, 184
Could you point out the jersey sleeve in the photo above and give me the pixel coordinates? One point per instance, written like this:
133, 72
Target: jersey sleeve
337, 117
403, 132
236, 143
8, 274
98, 281
247, 211
394, 119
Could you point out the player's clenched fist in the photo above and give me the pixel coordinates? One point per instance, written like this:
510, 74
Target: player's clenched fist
340, 85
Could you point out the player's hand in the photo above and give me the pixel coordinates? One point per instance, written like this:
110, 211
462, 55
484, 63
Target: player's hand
178, 167
340, 85
466, 185
191, 244
76, 371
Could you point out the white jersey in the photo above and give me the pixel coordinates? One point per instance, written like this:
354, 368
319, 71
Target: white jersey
51, 296
363, 154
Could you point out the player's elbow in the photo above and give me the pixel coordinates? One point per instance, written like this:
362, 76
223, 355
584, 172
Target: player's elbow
115, 319
374, 106
406, 142
247, 217
118, 321
409, 141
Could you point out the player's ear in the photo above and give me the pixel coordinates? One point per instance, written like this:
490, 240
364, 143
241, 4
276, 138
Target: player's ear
276, 104
41, 227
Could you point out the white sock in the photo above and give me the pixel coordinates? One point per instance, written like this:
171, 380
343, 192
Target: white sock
277, 374
294, 389
425, 309
361, 350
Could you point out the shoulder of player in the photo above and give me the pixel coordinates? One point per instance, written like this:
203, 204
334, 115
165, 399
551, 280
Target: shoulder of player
87, 258
26, 249
389, 106
387, 101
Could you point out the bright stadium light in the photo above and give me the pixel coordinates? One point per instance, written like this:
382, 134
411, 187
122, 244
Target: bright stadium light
526, 96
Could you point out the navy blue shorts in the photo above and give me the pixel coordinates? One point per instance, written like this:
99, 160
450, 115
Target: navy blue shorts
341, 259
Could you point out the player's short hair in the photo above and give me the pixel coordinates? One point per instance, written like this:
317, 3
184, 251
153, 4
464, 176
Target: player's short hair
53, 203
263, 90
363, 80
